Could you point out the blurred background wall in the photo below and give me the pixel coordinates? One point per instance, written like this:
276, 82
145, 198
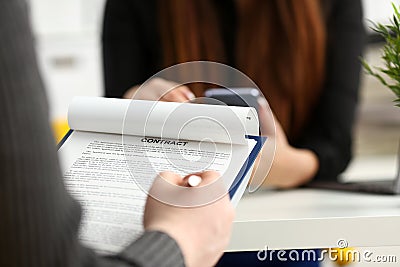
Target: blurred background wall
68, 44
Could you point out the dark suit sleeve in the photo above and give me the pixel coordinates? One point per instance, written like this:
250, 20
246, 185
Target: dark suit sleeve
329, 134
39, 220
130, 44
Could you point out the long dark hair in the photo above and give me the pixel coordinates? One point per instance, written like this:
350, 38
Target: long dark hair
280, 44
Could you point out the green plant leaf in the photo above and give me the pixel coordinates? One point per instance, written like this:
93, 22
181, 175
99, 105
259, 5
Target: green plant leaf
389, 76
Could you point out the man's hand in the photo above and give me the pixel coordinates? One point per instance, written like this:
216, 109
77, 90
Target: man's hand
201, 232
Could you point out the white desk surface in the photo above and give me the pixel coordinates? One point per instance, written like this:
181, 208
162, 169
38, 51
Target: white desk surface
311, 218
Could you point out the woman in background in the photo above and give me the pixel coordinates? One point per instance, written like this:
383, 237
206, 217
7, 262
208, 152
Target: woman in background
303, 55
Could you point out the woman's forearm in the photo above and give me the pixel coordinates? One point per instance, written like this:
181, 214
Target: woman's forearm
292, 167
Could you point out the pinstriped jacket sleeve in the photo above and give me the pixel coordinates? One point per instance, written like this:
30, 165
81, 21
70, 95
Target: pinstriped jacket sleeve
39, 220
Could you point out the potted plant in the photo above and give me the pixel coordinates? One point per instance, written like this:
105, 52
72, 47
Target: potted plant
389, 75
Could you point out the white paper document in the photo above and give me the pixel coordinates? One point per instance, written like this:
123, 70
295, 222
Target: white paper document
117, 147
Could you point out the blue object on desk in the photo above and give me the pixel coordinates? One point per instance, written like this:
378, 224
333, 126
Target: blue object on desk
249, 259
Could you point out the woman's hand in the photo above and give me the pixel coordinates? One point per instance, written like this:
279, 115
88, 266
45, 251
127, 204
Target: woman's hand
161, 90
291, 167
